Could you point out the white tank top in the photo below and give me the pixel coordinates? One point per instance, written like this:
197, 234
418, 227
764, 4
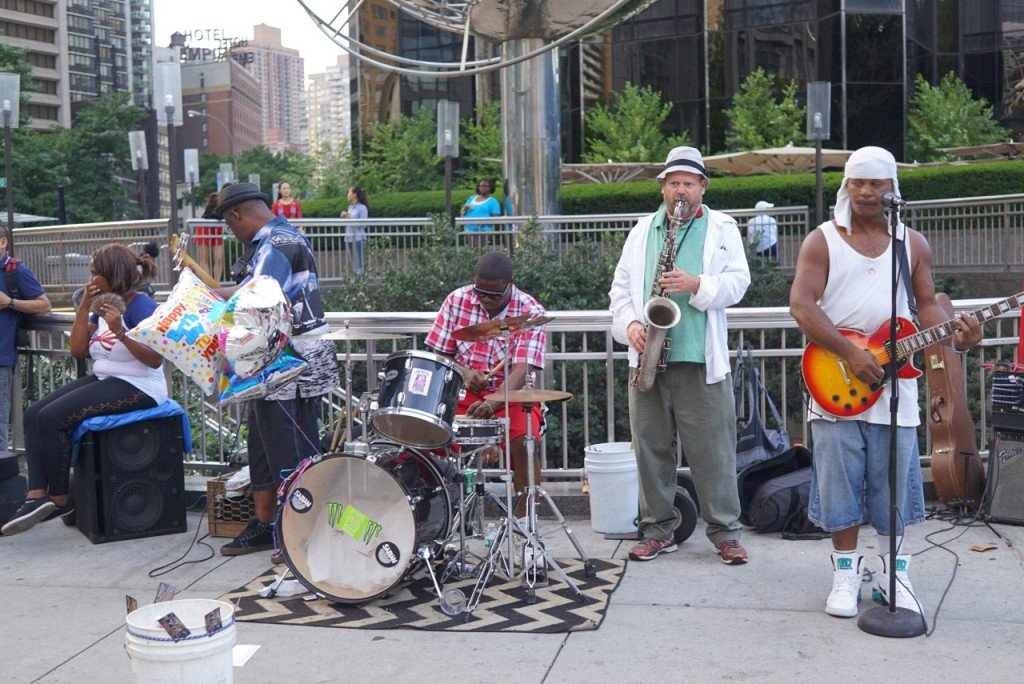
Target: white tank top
858, 296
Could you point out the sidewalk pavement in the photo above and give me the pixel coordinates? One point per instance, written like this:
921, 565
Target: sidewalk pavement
684, 616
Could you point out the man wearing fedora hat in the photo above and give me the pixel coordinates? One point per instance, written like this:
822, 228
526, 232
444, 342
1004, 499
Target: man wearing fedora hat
694, 393
283, 426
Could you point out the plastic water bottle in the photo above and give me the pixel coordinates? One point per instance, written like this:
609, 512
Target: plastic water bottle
490, 534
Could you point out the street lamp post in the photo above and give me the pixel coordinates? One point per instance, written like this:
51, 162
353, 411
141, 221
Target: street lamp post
10, 93
192, 113
140, 164
167, 89
819, 102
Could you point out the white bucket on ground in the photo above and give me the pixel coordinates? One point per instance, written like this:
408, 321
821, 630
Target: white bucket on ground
614, 489
200, 657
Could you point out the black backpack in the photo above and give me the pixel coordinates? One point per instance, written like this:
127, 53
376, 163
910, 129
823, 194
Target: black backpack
750, 479
780, 505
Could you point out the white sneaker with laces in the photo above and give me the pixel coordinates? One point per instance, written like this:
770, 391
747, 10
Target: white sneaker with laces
844, 598
904, 589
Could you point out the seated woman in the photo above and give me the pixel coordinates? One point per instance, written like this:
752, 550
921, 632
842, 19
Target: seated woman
127, 376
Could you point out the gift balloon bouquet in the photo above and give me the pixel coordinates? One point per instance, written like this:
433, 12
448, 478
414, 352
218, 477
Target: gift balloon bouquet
236, 348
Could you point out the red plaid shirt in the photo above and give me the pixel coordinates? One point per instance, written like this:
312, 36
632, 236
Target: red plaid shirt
462, 308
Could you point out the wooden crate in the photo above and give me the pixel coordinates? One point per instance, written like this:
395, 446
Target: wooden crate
226, 517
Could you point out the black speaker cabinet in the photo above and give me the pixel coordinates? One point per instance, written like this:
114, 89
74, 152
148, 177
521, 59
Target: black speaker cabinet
130, 481
1005, 493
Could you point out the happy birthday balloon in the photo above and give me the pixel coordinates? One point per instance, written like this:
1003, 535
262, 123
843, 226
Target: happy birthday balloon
257, 324
184, 330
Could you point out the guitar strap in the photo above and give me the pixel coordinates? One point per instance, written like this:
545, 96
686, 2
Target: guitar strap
901, 250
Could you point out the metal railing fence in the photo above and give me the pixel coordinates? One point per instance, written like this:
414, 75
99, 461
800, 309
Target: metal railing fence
979, 234
581, 359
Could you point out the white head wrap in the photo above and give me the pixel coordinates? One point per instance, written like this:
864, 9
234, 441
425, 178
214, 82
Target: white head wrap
866, 163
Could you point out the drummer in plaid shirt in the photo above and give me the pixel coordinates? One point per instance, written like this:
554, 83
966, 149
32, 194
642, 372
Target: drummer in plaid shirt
493, 295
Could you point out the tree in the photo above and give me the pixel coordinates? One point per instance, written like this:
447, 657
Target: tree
481, 144
759, 118
91, 160
333, 171
630, 129
400, 155
947, 115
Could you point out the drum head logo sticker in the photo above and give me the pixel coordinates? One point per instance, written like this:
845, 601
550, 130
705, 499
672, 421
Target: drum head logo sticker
353, 522
301, 500
419, 381
388, 554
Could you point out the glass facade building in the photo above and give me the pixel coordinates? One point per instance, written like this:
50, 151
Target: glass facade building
697, 53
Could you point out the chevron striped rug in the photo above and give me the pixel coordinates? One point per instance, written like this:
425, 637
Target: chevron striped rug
503, 607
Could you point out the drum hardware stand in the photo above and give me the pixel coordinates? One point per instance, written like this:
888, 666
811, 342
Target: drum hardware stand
452, 601
531, 573
471, 508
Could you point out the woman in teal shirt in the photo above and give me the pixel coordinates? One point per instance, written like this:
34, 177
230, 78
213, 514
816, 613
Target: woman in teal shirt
481, 205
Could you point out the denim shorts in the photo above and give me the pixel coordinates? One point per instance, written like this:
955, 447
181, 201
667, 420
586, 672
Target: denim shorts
850, 482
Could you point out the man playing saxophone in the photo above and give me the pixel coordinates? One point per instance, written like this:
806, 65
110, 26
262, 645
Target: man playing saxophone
694, 257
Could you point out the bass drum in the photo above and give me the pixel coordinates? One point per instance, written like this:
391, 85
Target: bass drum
351, 526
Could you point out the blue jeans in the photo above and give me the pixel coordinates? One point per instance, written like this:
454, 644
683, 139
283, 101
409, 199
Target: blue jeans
6, 388
850, 481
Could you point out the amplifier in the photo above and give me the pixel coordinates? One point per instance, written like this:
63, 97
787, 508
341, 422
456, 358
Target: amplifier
1005, 492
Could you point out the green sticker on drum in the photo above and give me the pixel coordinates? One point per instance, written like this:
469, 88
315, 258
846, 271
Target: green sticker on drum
353, 522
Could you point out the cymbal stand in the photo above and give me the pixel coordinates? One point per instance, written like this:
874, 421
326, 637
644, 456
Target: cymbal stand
471, 508
349, 364
533, 547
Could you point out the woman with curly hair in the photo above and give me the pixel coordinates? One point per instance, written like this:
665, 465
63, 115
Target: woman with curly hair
127, 376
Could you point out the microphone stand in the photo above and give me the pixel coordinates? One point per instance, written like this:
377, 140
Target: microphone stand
890, 621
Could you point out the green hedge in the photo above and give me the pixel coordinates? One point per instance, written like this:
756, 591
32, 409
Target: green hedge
925, 183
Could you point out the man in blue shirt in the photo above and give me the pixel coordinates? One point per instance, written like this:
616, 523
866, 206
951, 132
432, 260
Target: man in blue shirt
25, 297
283, 426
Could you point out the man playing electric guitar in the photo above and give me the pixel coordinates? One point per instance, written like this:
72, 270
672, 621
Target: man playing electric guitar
843, 280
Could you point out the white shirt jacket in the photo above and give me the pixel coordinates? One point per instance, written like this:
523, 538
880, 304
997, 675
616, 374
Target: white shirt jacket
723, 283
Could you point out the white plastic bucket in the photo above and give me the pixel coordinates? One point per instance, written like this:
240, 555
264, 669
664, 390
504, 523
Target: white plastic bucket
614, 489
200, 657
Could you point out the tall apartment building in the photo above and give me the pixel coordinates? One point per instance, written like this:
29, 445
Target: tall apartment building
99, 48
39, 27
141, 62
228, 99
329, 108
281, 75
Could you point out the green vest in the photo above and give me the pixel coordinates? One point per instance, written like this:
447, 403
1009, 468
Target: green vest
688, 337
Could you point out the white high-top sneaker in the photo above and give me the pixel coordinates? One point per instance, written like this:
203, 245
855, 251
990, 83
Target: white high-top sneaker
904, 590
845, 595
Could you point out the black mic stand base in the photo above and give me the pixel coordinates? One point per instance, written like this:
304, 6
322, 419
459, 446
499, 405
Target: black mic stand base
900, 623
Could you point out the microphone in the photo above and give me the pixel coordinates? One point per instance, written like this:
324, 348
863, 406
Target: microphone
891, 200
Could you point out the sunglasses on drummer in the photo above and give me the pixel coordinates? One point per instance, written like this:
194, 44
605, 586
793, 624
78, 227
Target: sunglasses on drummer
488, 294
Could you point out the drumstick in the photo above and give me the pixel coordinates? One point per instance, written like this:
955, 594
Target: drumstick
494, 370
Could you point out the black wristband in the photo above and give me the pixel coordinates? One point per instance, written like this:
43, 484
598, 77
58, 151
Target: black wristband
10, 304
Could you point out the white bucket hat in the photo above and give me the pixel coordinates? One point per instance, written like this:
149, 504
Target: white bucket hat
684, 159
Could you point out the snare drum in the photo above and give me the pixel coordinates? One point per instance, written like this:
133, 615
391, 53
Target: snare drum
478, 431
351, 527
417, 397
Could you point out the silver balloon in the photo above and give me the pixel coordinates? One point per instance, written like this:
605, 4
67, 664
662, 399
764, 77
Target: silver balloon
258, 325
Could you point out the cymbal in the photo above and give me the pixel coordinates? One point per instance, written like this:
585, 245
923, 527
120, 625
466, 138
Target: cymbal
529, 396
488, 330
348, 334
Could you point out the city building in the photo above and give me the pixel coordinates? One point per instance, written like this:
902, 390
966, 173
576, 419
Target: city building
280, 73
697, 54
99, 49
141, 56
227, 99
329, 108
39, 27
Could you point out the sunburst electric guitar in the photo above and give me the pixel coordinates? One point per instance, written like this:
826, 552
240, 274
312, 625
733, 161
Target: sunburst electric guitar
834, 386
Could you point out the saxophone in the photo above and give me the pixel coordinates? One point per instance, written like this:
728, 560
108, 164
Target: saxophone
661, 312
